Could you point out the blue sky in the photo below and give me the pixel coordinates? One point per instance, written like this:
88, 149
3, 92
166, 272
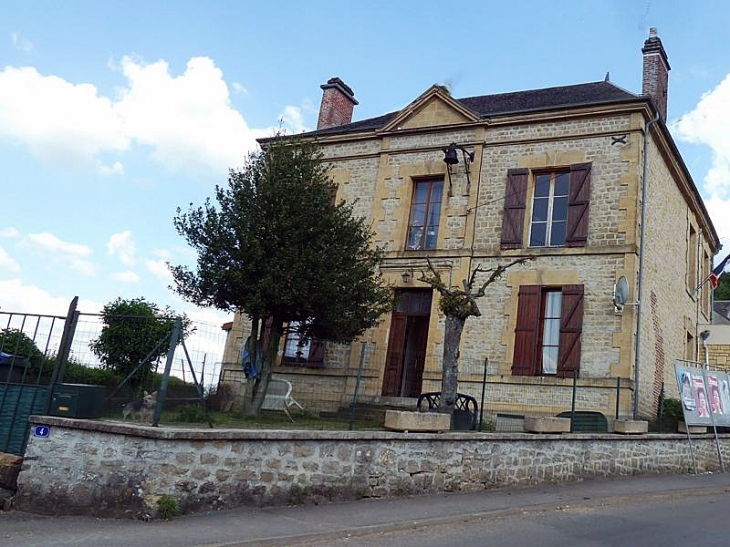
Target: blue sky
113, 114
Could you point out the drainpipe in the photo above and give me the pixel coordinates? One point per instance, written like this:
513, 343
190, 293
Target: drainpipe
639, 304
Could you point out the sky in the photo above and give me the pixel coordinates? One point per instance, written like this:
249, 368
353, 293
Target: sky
113, 114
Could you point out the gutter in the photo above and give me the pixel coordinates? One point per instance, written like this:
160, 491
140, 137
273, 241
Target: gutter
639, 304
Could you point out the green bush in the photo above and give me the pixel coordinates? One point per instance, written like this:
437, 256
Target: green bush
190, 414
80, 374
167, 507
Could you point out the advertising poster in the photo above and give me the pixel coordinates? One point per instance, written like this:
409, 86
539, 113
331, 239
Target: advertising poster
703, 392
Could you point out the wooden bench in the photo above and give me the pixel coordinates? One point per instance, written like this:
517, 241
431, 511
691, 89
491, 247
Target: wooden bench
278, 397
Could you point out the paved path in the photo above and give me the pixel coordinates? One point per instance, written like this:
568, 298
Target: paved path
247, 527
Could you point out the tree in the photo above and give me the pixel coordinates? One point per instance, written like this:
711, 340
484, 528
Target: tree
133, 330
722, 292
278, 248
458, 304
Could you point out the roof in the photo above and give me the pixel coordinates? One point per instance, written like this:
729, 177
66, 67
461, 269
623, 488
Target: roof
512, 103
722, 307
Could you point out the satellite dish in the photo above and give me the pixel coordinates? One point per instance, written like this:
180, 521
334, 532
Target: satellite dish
620, 293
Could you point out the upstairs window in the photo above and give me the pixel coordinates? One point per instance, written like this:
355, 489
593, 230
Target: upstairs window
560, 204
549, 210
423, 226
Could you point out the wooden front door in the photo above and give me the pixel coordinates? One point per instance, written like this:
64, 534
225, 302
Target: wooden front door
406, 354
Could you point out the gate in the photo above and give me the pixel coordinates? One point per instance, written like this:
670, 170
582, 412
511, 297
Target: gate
33, 349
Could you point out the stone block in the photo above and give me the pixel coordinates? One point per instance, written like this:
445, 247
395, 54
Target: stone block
400, 420
693, 429
9, 469
630, 427
542, 424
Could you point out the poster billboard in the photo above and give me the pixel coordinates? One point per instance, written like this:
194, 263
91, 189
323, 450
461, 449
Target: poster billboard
705, 396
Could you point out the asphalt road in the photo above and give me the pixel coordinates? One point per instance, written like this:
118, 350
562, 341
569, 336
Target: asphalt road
626, 512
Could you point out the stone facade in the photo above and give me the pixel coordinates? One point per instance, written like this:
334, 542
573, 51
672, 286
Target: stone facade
632, 161
99, 468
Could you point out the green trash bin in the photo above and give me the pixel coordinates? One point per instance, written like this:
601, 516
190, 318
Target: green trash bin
77, 401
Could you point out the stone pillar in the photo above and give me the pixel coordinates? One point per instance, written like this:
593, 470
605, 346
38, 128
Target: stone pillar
338, 102
655, 78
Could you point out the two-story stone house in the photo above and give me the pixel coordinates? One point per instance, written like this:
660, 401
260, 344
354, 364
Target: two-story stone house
584, 178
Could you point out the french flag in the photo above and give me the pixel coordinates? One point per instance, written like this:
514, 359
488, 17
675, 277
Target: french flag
717, 272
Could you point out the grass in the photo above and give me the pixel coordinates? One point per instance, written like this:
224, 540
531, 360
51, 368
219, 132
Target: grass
268, 420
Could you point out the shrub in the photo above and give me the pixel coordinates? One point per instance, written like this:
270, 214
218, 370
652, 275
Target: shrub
190, 414
167, 507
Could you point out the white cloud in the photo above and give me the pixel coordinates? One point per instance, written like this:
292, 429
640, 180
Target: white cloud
8, 266
21, 43
65, 124
125, 277
122, 246
49, 242
9, 232
186, 121
708, 124
73, 254
159, 269
17, 297
238, 88
294, 119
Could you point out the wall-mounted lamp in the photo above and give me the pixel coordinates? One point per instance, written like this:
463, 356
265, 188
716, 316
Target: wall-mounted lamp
407, 276
451, 157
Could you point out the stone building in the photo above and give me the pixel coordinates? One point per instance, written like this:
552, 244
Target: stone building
587, 180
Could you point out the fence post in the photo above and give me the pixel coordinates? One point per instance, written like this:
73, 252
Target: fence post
174, 338
64, 348
618, 396
484, 387
357, 386
572, 403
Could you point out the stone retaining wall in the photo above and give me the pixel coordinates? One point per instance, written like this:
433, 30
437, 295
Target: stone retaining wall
111, 469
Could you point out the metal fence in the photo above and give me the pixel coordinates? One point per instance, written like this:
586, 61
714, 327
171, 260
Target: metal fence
39, 353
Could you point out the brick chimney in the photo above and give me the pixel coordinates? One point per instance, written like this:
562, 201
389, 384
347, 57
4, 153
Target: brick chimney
338, 101
656, 72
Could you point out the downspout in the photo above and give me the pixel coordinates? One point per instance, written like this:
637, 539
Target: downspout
639, 303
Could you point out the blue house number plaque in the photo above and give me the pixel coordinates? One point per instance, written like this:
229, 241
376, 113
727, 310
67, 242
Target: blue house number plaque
41, 431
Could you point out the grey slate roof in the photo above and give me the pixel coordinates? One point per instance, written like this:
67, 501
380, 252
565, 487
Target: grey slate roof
722, 307
509, 103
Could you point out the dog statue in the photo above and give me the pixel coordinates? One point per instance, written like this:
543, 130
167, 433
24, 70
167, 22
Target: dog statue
141, 410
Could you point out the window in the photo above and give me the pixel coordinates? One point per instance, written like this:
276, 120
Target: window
548, 330
689, 347
298, 351
692, 260
423, 226
549, 210
560, 206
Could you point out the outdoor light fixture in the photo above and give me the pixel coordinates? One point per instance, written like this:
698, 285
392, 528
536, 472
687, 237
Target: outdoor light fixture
407, 276
451, 157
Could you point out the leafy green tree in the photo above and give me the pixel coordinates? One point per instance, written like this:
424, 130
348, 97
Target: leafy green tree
133, 329
722, 292
16, 342
279, 249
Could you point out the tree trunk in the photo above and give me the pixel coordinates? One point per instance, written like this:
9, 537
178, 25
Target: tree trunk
450, 377
262, 384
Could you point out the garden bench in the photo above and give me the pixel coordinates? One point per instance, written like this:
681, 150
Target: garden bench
466, 408
278, 397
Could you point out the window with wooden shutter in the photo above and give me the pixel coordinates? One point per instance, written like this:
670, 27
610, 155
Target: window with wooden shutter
571, 327
526, 330
514, 208
578, 205
548, 331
